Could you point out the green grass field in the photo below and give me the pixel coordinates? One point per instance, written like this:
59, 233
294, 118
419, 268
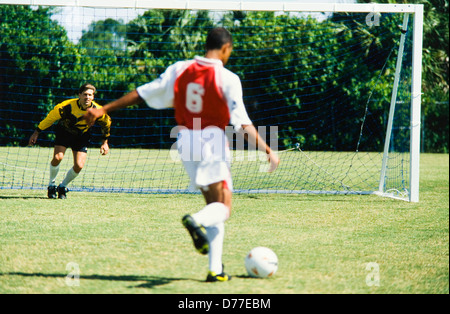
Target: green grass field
135, 243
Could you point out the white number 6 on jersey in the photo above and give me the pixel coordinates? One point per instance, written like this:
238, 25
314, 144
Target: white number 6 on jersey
194, 97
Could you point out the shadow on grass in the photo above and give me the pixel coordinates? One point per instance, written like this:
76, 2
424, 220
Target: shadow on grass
248, 277
148, 281
2, 197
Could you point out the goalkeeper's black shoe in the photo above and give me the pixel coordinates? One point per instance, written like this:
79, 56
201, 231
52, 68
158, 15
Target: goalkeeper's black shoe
62, 190
51, 191
198, 234
213, 277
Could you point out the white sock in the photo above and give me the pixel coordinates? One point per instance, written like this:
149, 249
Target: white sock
212, 214
70, 176
215, 236
53, 173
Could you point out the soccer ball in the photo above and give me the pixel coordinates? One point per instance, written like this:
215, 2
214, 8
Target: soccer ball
261, 262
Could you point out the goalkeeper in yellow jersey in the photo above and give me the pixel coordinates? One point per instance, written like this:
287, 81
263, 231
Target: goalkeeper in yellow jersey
72, 131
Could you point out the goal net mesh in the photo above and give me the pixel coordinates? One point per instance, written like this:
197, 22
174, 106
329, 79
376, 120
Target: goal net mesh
318, 86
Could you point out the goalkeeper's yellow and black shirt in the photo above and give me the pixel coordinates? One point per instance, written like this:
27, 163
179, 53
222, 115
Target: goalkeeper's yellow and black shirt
70, 116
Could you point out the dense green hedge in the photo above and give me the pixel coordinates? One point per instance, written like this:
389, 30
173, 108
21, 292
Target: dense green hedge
40, 66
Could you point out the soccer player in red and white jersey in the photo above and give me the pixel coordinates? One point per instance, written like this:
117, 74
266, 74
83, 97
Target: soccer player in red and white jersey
206, 97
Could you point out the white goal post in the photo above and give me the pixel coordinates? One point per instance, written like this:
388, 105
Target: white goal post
416, 11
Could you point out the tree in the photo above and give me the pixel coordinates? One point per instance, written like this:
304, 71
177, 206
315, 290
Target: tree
108, 35
35, 52
435, 101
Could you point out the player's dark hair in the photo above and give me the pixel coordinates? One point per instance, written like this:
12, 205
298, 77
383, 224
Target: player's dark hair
218, 37
85, 87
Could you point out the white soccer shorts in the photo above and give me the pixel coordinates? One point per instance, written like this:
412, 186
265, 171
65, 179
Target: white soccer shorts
206, 156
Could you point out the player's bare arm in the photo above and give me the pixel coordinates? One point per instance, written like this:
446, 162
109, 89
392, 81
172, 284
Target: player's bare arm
104, 149
252, 136
130, 99
33, 138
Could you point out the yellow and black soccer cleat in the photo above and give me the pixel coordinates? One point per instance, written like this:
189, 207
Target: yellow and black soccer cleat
213, 277
198, 234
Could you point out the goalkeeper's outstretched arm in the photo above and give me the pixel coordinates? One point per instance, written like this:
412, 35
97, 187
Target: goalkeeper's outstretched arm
130, 99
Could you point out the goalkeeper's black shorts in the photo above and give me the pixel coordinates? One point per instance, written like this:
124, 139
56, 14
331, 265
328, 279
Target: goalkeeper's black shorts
78, 142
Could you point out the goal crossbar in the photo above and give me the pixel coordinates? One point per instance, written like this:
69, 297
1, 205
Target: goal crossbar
227, 5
